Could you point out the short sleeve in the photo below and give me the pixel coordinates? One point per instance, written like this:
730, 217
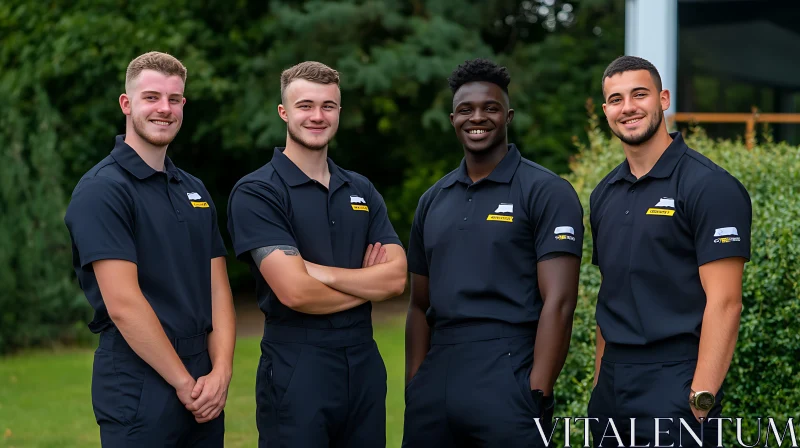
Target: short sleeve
217, 244
417, 260
258, 217
100, 219
380, 228
558, 215
721, 214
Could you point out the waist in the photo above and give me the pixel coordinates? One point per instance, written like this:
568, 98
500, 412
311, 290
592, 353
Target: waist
679, 348
321, 337
113, 341
481, 332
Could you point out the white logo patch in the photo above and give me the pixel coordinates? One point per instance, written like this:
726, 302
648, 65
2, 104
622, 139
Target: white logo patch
505, 208
564, 229
357, 200
666, 202
726, 231
193, 196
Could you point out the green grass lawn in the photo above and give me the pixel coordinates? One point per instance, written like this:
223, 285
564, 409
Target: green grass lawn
45, 396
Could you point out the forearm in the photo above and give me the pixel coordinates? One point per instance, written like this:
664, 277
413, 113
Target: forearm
314, 297
418, 340
222, 340
139, 325
374, 283
552, 343
600, 348
717, 343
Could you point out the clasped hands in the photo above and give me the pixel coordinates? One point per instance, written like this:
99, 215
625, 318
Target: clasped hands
206, 397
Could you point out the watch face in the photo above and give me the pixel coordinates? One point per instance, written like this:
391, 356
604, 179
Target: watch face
704, 401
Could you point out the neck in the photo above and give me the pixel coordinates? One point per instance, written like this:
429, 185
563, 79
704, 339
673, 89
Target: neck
642, 158
152, 155
480, 165
313, 163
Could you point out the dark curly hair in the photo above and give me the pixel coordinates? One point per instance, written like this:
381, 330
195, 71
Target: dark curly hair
479, 70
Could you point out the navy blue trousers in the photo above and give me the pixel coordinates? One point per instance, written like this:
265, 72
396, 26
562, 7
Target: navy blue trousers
309, 395
135, 407
646, 384
475, 393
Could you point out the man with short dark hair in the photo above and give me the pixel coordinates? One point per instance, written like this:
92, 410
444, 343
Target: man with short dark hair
671, 233
303, 225
151, 261
494, 256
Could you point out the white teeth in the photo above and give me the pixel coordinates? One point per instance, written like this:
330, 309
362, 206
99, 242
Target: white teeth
636, 120
477, 131
162, 123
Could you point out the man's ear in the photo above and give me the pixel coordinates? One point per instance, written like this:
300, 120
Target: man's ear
510, 116
125, 104
282, 113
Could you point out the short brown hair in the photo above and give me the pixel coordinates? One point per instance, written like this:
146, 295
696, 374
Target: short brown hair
310, 71
161, 62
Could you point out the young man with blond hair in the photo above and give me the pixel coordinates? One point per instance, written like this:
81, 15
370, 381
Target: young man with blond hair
150, 258
321, 248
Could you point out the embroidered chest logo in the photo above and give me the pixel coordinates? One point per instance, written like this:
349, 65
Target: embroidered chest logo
358, 203
664, 207
565, 233
506, 209
194, 199
726, 235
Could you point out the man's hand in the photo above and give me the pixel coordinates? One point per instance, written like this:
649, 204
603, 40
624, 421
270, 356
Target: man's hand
375, 255
209, 396
184, 390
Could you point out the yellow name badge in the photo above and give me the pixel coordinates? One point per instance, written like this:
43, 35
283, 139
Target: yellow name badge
199, 204
500, 218
660, 211
362, 208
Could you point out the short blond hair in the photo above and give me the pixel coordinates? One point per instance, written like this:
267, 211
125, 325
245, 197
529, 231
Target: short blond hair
310, 71
160, 62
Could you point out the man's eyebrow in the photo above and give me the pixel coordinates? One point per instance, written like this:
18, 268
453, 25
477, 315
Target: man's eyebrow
462, 103
304, 100
153, 92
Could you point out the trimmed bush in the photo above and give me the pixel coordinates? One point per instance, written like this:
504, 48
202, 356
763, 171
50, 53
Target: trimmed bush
764, 378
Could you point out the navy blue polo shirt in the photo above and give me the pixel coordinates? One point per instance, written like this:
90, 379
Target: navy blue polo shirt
651, 235
165, 222
279, 205
479, 242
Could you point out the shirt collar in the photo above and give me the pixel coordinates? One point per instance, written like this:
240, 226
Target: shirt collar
130, 160
502, 173
663, 168
294, 176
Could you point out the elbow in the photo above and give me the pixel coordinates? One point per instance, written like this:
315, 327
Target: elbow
292, 299
398, 287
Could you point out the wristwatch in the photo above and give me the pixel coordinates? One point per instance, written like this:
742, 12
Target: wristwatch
702, 400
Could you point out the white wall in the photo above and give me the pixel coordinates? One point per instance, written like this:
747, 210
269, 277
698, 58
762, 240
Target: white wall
651, 32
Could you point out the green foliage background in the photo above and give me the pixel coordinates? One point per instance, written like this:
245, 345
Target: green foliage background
64, 65
764, 378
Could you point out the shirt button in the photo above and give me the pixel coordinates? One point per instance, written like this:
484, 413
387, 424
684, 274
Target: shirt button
632, 190
178, 212
333, 222
470, 199
627, 211
465, 219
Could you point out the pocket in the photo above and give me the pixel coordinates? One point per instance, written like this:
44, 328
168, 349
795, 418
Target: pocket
117, 386
520, 373
284, 359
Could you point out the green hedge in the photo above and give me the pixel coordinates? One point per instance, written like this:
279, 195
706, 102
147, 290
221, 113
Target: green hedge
764, 379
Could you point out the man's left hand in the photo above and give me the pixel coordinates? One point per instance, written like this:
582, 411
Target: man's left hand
210, 394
